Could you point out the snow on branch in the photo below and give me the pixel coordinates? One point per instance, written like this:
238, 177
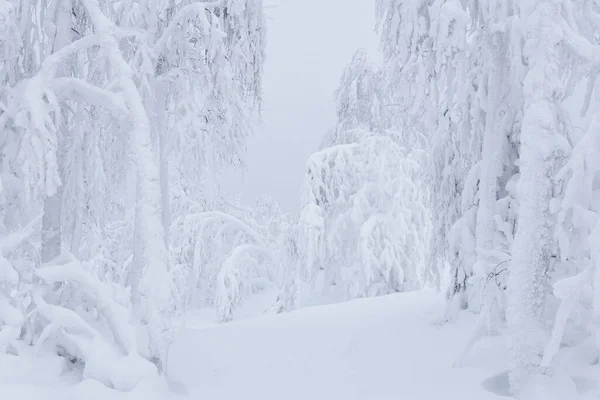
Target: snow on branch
78, 89
14, 239
61, 318
569, 290
233, 277
66, 268
9, 243
222, 257
117, 364
580, 46
53, 62
196, 10
106, 28
11, 317
231, 223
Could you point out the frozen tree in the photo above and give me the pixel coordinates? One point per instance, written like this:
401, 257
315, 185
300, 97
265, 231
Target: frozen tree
414, 91
361, 105
572, 216
34, 109
213, 102
486, 120
494, 113
458, 60
88, 144
223, 257
451, 147
364, 224
213, 93
543, 150
498, 143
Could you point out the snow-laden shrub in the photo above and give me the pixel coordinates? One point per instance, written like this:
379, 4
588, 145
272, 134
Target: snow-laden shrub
221, 257
62, 308
364, 226
79, 316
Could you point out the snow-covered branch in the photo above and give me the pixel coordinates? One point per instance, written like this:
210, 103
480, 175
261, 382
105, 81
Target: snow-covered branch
11, 241
233, 277
80, 90
51, 63
68, 269
194, 11
231, 223
569, 291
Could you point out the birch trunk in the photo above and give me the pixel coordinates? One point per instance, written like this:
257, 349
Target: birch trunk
541, 153
51, 222
150, 281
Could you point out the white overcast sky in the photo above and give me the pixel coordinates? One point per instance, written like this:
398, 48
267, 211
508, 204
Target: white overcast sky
309, 42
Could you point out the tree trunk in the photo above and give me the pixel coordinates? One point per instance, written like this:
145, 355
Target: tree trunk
163, 141
151, 286
51, 227
541, 153
51, 222
498, 107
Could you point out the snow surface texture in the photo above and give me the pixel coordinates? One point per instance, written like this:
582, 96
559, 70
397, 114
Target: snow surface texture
389, 347
380, 348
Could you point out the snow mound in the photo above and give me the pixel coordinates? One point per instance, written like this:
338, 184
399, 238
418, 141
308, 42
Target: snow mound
44, 378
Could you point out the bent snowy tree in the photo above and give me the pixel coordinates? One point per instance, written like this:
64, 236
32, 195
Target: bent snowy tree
372, 222
78, 136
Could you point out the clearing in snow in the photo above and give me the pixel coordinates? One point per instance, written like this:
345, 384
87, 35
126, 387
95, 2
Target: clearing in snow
380, 348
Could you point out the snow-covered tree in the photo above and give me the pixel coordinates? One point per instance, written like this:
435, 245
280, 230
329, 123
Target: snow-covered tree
458, 60
223, 257
213, 104
96, 100
496, 90
364, 224
361, 103
486, 126
558, 57
412, 96
37, 110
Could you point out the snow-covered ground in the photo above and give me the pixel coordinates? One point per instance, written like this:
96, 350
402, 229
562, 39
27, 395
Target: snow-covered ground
380, 348
383, 348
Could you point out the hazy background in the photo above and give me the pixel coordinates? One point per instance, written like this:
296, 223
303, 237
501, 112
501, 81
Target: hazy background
309, 42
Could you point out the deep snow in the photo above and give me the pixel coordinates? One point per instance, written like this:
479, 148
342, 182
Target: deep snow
384, 348
391, 347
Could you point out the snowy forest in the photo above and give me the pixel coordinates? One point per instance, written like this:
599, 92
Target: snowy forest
444, 243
